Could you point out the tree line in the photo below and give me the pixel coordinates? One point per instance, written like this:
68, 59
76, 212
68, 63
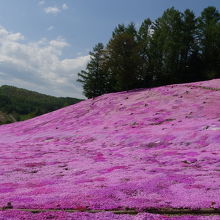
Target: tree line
178, 47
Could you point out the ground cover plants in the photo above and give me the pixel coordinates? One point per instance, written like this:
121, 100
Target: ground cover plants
143, 154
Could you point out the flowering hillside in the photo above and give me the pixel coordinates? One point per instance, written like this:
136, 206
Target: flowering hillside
151, 153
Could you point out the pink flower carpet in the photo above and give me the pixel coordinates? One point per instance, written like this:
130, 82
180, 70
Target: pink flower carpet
136, 155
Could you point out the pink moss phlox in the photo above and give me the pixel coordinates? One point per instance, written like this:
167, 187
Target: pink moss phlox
137, 149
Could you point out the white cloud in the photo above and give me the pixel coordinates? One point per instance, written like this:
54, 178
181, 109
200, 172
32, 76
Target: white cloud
52, 10
58, 43
50, 28
55, 10
65, 6
4, 34
42, 2
38, 65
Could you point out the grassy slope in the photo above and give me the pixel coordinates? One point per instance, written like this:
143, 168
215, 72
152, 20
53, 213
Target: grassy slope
18, 104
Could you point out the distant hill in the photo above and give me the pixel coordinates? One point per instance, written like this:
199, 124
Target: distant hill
18, 104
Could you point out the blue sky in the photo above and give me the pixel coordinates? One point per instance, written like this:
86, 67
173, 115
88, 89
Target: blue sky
45, 43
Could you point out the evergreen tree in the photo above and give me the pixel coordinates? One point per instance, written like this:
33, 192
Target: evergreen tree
209, 35
166, 46
95, 79
144, 43
123, 57
175, 48
189, 69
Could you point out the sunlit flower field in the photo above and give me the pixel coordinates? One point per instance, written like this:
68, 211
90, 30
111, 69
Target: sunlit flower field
143, 154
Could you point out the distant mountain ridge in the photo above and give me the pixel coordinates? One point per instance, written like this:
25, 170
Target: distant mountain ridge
17, 104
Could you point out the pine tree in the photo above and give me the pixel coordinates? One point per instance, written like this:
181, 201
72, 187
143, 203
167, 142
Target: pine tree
209, 35
189, 69
144, 43
95, 79
175, 48
123, 57
166, 46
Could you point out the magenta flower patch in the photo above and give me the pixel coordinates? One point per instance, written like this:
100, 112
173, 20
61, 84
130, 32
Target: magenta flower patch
150, 149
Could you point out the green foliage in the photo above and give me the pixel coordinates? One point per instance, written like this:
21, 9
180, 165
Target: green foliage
96, 79
145, 71
20, 104
166, 43
209, 41
123, 57
177, 47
